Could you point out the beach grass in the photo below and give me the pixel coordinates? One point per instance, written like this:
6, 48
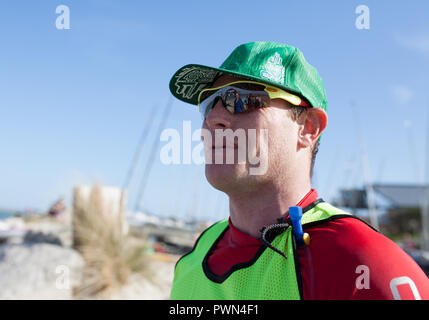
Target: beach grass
110, 255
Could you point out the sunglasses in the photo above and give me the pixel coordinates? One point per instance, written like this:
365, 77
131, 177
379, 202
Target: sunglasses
244, 96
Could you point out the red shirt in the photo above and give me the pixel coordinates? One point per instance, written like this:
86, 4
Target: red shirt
346, 259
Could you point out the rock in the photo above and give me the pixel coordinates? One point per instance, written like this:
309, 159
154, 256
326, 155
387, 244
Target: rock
53, 226
41, 237
38, 271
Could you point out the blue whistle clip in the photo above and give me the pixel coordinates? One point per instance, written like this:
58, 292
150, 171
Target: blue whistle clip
301, 238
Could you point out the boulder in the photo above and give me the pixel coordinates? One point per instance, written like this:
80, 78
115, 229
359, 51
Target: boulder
38, 271
41, 237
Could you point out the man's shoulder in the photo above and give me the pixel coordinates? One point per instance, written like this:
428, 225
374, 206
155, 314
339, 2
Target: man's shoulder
346, 232
343, 249
211, 230
350, 240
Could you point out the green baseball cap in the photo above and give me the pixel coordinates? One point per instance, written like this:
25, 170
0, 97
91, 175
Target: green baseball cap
272, 63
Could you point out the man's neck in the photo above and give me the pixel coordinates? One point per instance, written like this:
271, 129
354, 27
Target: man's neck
252, 211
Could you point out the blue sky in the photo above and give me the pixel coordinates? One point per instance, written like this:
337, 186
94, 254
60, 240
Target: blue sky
73, 102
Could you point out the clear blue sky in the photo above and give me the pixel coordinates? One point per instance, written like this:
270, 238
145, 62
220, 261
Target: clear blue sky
73, 102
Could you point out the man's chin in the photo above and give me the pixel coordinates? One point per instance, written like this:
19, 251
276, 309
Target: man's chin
225, 176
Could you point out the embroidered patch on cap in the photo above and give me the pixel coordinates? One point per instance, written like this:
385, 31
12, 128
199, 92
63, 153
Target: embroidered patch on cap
192, 80
274, 70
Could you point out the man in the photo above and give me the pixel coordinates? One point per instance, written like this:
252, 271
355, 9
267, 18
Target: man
238, 104
260, 252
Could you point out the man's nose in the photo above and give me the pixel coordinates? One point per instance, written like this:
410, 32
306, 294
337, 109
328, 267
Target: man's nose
219, 117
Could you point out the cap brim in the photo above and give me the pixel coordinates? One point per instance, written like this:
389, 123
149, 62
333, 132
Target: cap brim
187, 83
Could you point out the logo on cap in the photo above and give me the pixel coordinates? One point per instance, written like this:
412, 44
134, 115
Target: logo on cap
273, 69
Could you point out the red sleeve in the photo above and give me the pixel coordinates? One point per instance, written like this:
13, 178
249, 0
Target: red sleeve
347, 259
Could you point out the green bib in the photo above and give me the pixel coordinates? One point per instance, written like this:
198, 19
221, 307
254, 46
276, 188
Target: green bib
268, 276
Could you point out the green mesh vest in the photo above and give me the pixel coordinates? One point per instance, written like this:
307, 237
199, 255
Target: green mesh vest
268, 276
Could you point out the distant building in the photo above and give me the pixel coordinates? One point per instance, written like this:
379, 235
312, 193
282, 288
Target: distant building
395, 195
403, 196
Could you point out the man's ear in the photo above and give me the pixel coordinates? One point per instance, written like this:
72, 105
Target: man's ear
312, 124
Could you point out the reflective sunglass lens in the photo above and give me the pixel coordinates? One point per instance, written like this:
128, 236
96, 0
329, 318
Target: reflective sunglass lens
235, 100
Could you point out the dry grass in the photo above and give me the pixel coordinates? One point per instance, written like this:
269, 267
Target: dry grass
110, 256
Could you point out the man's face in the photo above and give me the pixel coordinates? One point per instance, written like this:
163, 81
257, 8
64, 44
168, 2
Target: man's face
272, 143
